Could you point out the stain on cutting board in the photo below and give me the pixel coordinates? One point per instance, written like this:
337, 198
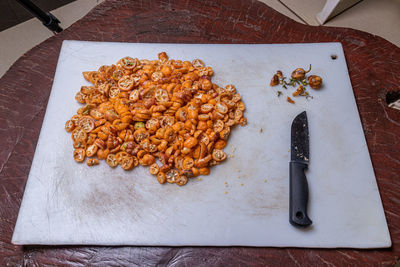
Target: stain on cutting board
267, 205
101, 197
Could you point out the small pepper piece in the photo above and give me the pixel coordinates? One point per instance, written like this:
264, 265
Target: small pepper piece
299, 91
298, 74
274, 80
315, 82
288, 99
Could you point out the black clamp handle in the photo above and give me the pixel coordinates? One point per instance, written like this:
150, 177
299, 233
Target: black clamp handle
52, 24
48, 20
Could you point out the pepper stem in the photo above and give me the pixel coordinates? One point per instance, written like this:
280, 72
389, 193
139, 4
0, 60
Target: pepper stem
309, 69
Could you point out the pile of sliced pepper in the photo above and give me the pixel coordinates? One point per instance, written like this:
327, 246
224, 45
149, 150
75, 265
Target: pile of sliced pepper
165, 114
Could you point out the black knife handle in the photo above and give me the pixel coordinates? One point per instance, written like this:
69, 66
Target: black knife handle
298, 196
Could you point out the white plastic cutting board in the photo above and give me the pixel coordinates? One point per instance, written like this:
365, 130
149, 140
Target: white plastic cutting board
245, 200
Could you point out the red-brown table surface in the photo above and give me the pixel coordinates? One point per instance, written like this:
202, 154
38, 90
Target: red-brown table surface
374, 66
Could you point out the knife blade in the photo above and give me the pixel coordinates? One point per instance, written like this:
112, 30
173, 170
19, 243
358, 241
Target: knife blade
299, 161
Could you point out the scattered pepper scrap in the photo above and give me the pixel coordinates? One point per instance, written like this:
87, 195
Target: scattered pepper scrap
144, 112
298, 78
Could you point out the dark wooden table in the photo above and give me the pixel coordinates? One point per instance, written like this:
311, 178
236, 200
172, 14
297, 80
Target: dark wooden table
374, 66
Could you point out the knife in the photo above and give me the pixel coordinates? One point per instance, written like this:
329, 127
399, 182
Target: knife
299, 160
